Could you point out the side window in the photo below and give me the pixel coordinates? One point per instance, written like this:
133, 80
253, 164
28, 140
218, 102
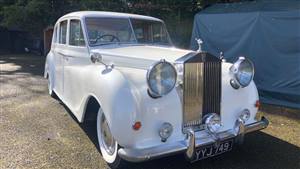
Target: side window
54, 39
76, 35
63, 32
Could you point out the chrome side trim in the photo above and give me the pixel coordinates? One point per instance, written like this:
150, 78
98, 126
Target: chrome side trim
167, 149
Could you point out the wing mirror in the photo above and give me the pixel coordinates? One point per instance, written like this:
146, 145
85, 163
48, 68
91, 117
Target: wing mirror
97, 58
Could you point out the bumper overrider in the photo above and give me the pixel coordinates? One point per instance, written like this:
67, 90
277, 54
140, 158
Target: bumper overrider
189, 145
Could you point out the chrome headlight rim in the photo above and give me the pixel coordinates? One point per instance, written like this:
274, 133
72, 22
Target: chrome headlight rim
150, 89
235, 69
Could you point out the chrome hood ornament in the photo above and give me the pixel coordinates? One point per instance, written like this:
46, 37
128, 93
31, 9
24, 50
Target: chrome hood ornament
199, 42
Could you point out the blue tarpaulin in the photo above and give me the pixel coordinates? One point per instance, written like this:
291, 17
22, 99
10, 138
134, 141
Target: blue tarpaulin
268, 33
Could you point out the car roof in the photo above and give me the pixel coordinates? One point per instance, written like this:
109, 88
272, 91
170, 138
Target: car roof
83, 14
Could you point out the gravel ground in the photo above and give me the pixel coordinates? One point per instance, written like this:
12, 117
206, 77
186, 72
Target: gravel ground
38, 131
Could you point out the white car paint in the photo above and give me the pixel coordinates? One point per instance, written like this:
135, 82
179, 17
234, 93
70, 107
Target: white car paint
122, 90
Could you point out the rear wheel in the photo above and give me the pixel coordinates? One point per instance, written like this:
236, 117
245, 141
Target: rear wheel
50, 87
107, 144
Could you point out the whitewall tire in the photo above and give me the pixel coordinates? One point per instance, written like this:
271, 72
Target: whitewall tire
107, 144
50, 86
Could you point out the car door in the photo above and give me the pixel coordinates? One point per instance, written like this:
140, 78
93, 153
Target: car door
59, 56
75, 59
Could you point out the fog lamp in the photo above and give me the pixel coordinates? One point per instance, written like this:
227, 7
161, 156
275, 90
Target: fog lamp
165, 131
213, 122
245, 115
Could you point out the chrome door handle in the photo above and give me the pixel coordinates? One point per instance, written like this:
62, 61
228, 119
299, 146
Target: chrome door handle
64, 55
61, 54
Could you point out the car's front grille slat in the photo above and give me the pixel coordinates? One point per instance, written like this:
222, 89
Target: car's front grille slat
212, 88
192, 95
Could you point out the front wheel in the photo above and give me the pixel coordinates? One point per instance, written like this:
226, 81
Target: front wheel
107, 144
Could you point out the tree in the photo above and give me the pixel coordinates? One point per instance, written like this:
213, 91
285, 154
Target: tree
35, 15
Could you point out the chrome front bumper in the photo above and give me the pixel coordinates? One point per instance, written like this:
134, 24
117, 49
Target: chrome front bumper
191, 143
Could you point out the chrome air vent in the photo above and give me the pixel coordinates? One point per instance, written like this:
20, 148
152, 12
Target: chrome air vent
201, 87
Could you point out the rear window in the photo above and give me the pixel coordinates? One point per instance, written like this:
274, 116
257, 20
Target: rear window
54, 39
63, 32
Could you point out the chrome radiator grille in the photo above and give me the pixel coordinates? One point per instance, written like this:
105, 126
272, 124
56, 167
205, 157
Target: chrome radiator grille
193, 93
201, 88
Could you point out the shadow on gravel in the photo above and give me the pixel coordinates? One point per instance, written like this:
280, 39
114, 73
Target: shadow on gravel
18, 75
88, 127
259, 150
25, 63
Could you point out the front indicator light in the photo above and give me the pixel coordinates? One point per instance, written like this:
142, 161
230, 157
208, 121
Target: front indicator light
257, 104
137, 125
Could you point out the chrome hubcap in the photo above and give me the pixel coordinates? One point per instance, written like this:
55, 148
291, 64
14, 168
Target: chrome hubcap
108, 141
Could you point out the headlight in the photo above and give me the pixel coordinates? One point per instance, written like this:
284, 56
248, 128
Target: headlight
161, 78
243, 71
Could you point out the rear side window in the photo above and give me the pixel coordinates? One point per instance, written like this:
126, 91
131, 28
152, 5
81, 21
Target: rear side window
54, 39
63, 32
76, 35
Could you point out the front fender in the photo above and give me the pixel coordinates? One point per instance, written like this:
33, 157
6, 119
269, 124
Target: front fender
235, 100
116, 99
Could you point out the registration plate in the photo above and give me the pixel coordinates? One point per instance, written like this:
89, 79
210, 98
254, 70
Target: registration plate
212, 150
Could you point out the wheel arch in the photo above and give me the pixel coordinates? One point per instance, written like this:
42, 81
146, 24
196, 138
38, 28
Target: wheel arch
49, 65
91, 108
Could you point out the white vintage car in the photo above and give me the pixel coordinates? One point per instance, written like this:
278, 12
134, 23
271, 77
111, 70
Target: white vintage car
152, 99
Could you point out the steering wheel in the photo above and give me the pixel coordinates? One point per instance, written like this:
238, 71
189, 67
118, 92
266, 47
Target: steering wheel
113, 37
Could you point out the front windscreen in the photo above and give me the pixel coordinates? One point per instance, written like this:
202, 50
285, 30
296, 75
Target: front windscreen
109, 30
150, 32
102, 31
